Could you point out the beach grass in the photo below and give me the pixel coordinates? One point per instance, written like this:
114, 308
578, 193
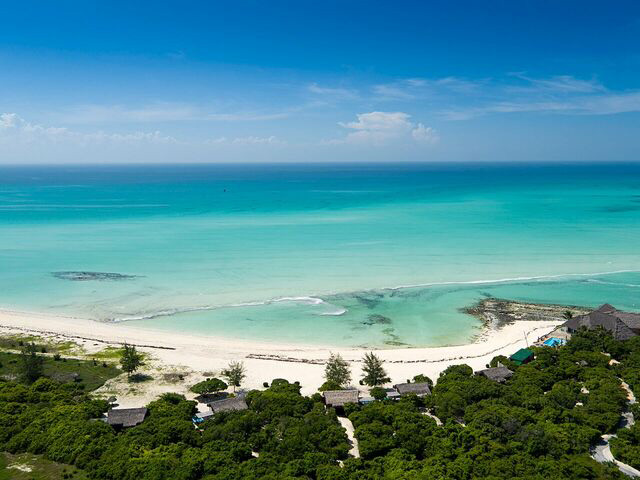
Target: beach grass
17, 341
26, 466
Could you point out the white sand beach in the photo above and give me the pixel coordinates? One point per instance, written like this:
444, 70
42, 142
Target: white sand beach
264, 361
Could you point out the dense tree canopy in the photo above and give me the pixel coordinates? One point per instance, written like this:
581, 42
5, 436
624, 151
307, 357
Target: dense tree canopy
538, 425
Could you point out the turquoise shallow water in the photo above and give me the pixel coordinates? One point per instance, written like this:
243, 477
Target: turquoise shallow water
308, 253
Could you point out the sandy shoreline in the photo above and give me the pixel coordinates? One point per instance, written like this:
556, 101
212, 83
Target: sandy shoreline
266, 361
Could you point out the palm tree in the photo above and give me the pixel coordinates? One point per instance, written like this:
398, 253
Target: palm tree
568, 314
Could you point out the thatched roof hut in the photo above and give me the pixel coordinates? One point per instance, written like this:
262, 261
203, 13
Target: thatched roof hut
497, 374
126, 417
228, 405
419, 388
622, 325
339, 398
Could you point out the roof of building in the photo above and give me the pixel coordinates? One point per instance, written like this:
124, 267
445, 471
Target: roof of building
338, 398
497, 374
126, 417
204, 415
420, 388
608, 318
228, 405
605, 308
631, 320
391, 393
521, 355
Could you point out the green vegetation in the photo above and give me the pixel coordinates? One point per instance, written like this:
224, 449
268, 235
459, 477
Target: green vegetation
16, 342
420, 378
374, 372
26, 466
31, 364
108, 353
378, 393
130, 359
539, 425
295, 436
235, 373
337, 372
626, 447
210, 385
90, 374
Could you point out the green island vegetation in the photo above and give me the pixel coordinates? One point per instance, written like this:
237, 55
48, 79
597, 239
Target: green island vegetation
539, 424
89, 374
26, 466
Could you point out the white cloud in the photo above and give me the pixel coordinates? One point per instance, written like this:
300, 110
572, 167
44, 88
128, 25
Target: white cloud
250, 140
246, 116
378, 128
271, 140
424, 134
559, 84
390, 91
155, 113
15, 129
338, 93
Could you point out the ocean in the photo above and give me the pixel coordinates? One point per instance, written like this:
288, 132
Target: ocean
332, 255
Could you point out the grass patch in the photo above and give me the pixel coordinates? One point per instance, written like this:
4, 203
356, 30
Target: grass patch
16, 342
92, 374
109, 353
26, 466
114, 353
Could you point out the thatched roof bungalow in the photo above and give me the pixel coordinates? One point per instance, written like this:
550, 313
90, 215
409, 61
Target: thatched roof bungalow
622, 325
420, 389
126, 417
228, 405
497, 374
339, 398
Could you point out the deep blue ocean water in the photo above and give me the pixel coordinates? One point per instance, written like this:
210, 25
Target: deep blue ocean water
315, 253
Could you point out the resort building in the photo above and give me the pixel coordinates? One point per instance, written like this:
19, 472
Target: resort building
228, 405
420, 389
392, 394
497, 374
522, 356
202, 416
622, 325
339, 398
126, 417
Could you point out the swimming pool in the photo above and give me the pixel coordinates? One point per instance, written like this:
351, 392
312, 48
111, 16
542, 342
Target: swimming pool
554, 342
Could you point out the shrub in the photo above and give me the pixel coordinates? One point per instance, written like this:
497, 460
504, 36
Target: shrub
378, 393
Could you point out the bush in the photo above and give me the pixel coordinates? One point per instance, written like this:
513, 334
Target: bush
210, 385
378, 393
329, 386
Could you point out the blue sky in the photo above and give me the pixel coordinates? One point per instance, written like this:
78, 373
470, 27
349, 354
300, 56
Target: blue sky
310, 81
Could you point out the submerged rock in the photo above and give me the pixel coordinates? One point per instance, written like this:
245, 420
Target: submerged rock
376, 319
87, 276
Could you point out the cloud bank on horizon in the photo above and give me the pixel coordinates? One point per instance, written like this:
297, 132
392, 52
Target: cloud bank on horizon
294, 81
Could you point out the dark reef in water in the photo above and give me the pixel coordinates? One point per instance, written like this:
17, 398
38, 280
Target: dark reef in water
88, 276
376, 319
370, 299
